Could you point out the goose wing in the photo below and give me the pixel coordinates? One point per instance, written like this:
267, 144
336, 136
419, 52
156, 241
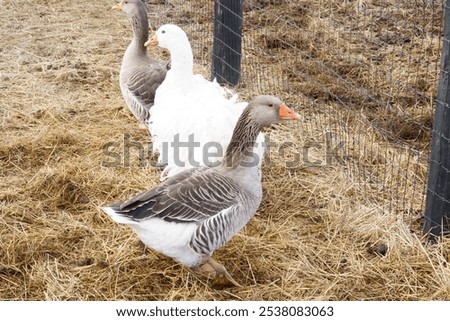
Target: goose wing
143, 82
194, 195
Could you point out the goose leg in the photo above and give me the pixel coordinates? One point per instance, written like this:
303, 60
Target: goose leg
222, 275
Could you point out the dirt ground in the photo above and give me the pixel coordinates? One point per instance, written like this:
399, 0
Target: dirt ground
324, 231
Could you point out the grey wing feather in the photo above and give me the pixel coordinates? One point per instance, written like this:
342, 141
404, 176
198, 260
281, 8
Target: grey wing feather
141, 86
216, 231
191, 196
144, 82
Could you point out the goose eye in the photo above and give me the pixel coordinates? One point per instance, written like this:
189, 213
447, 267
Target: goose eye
163, 31
270, 105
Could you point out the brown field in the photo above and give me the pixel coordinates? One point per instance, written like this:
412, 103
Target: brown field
332, 231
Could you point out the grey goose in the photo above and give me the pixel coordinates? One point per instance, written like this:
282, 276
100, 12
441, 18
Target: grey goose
140, 74
192, 214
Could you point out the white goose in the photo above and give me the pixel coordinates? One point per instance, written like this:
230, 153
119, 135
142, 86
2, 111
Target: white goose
140, 74
189, 108
192, 214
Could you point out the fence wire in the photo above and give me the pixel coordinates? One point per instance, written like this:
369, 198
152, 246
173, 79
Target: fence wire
364, 72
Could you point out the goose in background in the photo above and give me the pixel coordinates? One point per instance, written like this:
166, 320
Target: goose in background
190, 111
140, 74
192, 214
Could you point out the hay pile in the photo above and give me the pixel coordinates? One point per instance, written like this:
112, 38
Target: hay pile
315, 236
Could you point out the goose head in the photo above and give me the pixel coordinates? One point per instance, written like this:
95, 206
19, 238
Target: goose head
266, 110
262, 111
168, 36
130, 7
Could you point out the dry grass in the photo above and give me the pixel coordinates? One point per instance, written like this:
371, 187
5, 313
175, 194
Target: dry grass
318, 235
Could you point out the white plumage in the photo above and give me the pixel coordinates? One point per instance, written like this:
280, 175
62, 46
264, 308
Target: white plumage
170, 238
191, 110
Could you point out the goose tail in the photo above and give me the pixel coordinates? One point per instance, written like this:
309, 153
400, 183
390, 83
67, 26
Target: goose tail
113, 212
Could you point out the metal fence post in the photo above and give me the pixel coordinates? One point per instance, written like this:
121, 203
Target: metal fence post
226, 64
437, 207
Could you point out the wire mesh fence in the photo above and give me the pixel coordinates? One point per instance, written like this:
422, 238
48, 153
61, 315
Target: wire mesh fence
364, 74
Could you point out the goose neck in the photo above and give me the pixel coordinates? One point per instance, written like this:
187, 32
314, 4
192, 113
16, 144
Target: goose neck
182, 60
240, 151
139, 25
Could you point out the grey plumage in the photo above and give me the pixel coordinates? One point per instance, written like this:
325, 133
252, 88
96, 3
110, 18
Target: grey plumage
204, 196
212, 203
140, 74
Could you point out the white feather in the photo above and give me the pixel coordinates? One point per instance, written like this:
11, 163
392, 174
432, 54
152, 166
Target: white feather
188, 107
169, 238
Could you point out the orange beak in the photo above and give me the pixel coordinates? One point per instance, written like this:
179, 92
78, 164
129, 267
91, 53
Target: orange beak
117, 6
287, 113
153, 41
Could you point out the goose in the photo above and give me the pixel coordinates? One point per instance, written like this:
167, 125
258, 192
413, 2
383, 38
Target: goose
140, 74
193, 118
190, 215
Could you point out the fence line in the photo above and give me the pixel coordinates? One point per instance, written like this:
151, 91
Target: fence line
368, 70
